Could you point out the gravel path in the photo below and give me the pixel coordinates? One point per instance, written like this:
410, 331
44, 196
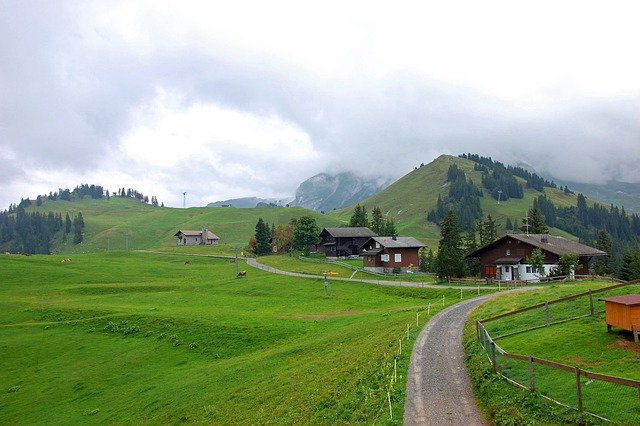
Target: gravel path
438, 388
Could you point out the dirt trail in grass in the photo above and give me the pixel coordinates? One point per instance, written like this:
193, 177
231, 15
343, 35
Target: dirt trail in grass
438, 387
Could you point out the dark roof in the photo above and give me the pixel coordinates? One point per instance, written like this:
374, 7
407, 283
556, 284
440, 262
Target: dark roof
398, 242
210, 235
508, 260
371, 252
546, 242
350, 232
627, 300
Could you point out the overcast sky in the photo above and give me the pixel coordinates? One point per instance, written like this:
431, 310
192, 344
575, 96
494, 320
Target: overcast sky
227, 99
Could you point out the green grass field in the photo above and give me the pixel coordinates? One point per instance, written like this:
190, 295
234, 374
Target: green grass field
143, 338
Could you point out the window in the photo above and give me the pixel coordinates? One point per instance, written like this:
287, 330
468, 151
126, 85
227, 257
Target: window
528, 269
508, 252
377, 245
398, 257
384, 257
490, 270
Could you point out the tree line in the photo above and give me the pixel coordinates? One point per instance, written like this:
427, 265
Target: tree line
533, 180
88, 190
298, 234
463, 199
34, 233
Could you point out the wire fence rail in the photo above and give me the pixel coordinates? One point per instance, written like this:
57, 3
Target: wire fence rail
603, 396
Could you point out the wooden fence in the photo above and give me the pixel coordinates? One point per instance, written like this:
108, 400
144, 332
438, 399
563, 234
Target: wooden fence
609, 397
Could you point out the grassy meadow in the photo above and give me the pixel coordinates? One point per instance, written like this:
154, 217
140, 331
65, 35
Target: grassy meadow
145, 338
583, 343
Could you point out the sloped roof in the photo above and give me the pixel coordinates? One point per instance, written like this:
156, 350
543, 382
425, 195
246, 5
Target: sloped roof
627, 300
350, 232
398, 242
550, 243
187, 233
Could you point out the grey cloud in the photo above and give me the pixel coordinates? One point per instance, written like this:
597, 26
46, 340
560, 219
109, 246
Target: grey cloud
63, 104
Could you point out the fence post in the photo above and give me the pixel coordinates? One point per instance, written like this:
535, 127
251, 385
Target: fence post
531, 382
546, 311
590, 302
493, 357
578, 389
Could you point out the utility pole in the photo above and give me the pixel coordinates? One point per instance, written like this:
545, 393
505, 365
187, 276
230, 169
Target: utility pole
499, 194
108, 243
126, 240
184, 200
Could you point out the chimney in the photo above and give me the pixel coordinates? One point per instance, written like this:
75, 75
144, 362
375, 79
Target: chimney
544, 239
205, 236
394, 237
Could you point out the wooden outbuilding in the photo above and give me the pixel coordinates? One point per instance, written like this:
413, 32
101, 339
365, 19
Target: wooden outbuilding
623, 312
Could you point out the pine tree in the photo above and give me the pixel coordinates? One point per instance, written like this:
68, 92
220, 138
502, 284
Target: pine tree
389, 228
359, 217
78, 228
508, 225
263, 238
377, 221
534, 223
604, 264
449, 262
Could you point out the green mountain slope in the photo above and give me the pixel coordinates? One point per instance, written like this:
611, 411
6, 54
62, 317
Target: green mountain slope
407, 201
148, 227
410, 198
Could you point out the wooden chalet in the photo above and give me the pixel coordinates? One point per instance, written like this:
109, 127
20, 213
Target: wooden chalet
343, 242
194, 238
384, 254
506, 258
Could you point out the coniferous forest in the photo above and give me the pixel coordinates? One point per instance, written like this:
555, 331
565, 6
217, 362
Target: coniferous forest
34, 233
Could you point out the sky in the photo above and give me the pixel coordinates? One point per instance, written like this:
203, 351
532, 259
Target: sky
230, 99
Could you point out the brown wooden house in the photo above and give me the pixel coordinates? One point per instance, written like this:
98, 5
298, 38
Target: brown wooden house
506, 258
343, 242
384, 254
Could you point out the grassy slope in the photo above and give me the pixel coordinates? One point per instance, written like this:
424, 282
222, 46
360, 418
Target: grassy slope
151, 227
410, 198
407, 201
141, 338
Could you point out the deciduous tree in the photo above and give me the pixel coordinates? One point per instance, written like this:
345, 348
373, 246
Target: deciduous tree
306, 233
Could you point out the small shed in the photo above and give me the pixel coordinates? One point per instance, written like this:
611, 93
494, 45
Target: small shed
623, 312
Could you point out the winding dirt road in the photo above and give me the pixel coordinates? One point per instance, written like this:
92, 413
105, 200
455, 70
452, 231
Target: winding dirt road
438, 388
